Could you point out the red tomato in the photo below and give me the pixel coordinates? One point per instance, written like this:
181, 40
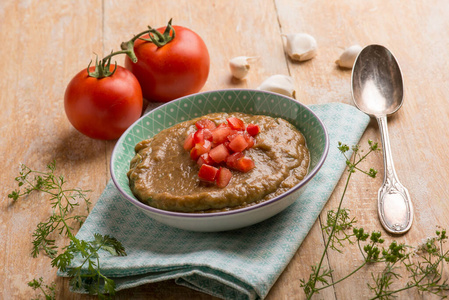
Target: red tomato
177, 69
200, 149
238, 144
189, 143
204, 159
249, 139
219, 153
236, 123
244, 164
220, 134
103, 108
205, 124
231, 160
223, 177
207, 173
253, 129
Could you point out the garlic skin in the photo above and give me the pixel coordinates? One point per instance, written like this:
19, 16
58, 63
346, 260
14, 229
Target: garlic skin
347, 58
281, 84
240, 66
301, 46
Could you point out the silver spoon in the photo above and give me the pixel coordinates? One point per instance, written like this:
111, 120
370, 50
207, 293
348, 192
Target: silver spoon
377, 89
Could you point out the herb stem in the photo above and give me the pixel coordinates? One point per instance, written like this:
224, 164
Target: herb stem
326, 247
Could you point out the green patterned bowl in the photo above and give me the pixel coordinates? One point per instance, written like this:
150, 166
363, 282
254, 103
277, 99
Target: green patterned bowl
230, 100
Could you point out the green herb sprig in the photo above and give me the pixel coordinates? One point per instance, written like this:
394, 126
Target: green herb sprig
423, 265
63, 201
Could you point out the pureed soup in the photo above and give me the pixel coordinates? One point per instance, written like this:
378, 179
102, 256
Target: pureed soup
165, 173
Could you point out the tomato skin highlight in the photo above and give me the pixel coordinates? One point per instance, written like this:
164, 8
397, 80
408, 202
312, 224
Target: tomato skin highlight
177, 69
103, 108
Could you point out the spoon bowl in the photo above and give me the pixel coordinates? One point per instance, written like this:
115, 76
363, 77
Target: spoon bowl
377, 82
377, 90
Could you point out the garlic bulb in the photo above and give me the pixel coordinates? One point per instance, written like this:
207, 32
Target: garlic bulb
347, 58
301, 46
240, 66
280, 84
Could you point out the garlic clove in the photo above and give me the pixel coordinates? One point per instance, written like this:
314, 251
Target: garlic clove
280, 84
347, 58
301, 46
240, 66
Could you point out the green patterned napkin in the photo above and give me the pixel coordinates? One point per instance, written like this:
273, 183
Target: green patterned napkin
239, 264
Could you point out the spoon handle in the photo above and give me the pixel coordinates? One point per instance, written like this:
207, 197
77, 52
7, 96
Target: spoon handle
394, 205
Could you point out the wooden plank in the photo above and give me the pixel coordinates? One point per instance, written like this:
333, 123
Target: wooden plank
417, 149
47, 43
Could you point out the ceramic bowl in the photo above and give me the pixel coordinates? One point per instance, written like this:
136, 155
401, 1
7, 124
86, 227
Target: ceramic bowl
230, 100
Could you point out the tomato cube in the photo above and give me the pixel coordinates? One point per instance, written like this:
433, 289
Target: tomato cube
200, 149
249, 139
220, 134
205, 124
231, 160
253, 129
201, 135
238, 144
188, 143
219, 153
207, 173
236, 123
223, 177
205, 159
244, 164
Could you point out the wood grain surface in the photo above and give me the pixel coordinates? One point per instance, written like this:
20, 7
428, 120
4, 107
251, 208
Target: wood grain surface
45, 43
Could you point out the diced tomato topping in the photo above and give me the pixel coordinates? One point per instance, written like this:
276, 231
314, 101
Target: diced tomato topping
201, 135
249, 139
200, 149
238, 144
198, 137
236, 123
213, 146
205, 159
223, 177
220, 134
207, 173
253, 129
205, 124
219, 153
188, 143
231, 160
233, 134
244, 164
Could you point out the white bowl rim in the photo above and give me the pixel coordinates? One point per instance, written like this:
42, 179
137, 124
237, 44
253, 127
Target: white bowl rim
174, 214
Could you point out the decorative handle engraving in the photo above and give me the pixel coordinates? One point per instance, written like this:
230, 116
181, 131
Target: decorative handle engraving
394, 205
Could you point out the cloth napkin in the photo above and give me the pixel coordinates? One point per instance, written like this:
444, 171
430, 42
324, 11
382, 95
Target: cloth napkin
238, 264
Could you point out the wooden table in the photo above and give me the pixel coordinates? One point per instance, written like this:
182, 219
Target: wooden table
45, 43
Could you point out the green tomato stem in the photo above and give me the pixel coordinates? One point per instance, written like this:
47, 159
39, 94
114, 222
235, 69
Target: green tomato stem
102, 67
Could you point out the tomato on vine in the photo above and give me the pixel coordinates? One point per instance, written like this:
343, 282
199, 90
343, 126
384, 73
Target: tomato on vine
161, 65
103, 108
172, 62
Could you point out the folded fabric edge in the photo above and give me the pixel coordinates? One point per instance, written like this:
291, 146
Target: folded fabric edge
202, 279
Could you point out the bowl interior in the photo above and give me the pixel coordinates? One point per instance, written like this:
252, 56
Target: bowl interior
186, 108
